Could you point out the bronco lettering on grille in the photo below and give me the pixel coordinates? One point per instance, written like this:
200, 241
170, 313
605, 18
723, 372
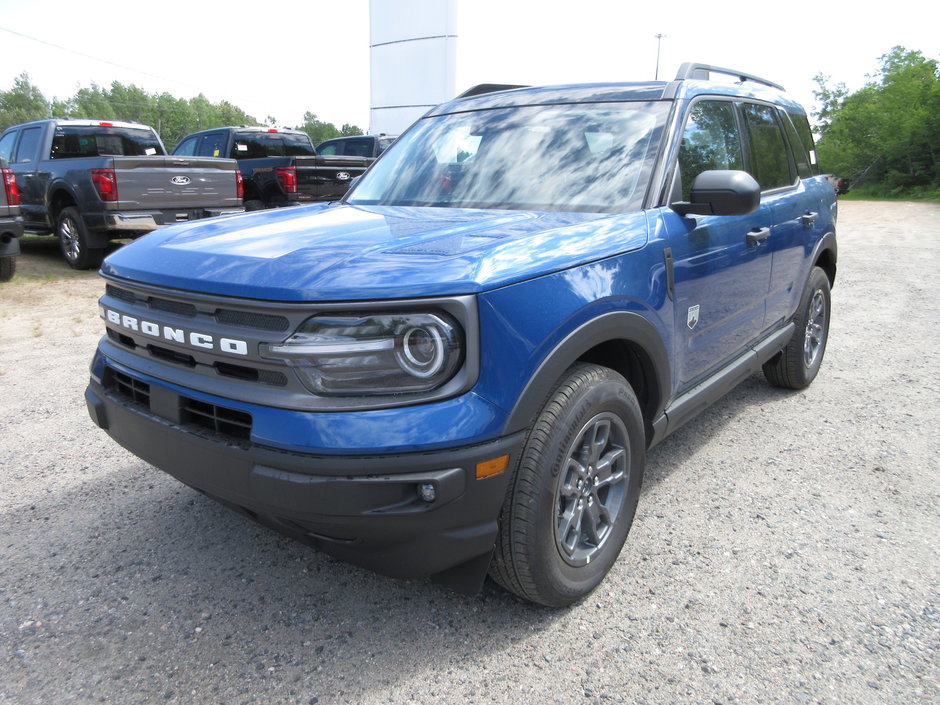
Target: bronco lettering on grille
183, 336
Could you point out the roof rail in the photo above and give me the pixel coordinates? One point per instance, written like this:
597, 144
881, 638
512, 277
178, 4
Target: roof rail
690, 70
487, 88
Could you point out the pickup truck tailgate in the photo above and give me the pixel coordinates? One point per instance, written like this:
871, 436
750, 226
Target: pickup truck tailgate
327, 178
176, 182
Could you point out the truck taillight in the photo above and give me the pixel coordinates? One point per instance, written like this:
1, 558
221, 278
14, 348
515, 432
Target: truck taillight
239, 184
9, 185
105, 180
287, 178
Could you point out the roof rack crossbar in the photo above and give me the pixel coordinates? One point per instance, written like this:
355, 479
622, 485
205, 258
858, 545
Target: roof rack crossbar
691, 70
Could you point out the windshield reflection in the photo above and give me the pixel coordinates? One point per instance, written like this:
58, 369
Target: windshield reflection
552, 158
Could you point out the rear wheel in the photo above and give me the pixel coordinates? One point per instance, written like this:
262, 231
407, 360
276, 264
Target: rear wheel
7, 268
73, 240
572, 499
797, 365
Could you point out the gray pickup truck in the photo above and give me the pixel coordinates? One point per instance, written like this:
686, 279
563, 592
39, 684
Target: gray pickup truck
91, 181
11, 223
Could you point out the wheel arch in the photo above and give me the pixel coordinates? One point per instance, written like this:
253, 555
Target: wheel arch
623, 341
825, 255
60, 196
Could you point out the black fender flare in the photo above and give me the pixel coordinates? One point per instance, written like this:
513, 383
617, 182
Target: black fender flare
57, 187
827, 244
615, 326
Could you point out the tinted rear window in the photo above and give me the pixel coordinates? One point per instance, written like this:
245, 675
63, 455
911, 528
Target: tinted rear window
270, 144
73, 141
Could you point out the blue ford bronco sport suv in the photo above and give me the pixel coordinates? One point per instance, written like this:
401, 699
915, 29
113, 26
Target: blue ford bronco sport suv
458, 369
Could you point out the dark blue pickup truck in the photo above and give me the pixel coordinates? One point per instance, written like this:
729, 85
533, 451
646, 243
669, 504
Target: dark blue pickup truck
280, 167
458, 370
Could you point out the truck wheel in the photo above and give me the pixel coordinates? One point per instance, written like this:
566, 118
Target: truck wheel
7, 268
796, 366
253, 205
574, 493
73, 240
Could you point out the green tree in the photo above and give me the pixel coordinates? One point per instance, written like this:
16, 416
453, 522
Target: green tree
173, 118
320, 131
22, 103
885, 134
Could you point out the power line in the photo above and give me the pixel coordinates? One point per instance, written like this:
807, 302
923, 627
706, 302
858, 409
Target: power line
96, 58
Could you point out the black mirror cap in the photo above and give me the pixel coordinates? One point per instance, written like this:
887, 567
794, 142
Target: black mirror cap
721, 192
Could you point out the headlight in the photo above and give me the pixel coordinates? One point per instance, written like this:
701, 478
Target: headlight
381, 354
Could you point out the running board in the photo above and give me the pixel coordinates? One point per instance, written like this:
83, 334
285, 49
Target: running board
703, 395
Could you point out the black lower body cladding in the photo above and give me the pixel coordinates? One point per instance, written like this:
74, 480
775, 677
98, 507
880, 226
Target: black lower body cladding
366, 510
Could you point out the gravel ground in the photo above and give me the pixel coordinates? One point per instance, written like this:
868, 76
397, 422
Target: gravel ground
785, 549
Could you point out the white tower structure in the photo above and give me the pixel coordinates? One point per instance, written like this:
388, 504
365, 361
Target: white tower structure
413, 56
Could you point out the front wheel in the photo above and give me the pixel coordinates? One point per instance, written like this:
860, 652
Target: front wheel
572, 499
73, 240
797, 365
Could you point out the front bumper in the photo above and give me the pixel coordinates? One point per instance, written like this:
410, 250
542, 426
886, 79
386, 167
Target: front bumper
364, 509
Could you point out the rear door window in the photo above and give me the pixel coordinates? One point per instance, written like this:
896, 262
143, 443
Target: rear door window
768, 160
29, 143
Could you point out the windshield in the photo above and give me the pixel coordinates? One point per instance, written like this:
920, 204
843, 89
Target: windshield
588, 157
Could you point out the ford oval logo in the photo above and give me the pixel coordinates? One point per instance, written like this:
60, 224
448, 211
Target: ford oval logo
180, 180
343, 176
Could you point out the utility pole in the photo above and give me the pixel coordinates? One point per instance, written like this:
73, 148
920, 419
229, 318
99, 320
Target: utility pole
659, 41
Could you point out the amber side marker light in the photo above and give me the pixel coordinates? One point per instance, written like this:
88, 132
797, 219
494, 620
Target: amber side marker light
488, 468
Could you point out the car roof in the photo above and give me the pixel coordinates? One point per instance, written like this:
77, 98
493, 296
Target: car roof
692, 80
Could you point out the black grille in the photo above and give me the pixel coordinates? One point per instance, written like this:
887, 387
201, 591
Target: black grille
228, 422
122, 294
251, 374
180, 309
246, 319
130, 388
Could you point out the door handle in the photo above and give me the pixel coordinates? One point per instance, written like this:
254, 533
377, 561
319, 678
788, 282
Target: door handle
757, 235
809, 218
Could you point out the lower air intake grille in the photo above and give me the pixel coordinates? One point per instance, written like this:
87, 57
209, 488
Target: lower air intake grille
131, 388
228, 422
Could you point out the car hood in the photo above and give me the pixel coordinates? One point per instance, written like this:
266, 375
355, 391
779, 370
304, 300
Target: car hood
345, 253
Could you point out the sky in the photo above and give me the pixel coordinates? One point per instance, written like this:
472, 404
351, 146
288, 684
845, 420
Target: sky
285, 59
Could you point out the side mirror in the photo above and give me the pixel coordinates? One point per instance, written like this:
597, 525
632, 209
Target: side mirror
721, 192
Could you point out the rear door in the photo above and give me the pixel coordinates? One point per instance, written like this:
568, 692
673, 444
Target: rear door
800, 221
31, 179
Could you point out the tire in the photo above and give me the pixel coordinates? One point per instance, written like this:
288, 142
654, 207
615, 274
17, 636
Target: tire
7, 268
797, 365
73, 240
573, 496
253, 205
